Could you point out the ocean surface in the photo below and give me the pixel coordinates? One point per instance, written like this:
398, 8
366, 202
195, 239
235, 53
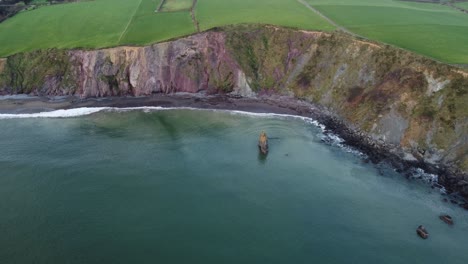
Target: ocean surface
188, 186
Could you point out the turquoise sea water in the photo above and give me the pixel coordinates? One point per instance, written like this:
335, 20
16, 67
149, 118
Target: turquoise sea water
188, 186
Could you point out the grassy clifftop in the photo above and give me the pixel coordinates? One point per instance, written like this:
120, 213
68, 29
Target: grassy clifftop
109, 23
430, 29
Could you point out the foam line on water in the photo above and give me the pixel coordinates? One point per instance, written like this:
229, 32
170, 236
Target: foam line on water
62, 113
75, 112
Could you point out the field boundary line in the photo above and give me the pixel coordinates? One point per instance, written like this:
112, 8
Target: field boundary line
341, 28
194, 17
463, 10
329, 20
129, 22
161, 4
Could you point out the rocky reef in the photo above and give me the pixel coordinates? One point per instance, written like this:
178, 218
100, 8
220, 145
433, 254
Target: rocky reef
414, 106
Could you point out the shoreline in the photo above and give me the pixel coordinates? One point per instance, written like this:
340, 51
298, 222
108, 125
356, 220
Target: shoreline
376, 152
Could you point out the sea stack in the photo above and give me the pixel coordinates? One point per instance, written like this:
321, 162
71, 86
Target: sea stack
263, 143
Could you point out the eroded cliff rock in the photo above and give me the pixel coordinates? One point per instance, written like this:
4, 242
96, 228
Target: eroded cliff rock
415, 104
192, 64
412, 103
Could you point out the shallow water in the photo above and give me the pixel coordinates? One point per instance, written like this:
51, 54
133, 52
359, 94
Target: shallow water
186, 186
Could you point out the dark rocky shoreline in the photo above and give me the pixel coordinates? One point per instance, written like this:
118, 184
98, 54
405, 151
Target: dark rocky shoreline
376, 152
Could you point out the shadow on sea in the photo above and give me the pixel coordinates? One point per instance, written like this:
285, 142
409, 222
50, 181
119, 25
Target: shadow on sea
262, 158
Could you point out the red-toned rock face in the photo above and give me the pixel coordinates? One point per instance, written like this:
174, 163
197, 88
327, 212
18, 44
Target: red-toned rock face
199, 62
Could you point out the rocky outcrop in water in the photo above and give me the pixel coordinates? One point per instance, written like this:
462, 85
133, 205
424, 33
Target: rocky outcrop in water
413, 106
422, 232
263, 143
447, 219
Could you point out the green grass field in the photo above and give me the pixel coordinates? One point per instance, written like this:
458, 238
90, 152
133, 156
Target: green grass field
107, 23
176, 5
462, 5
91, 24
289, 13
146, 26
433, 30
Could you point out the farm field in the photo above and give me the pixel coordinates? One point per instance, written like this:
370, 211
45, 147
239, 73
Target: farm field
91, 24
107, 23
146, 26
462, 5
434, 30
176, 5
289, 13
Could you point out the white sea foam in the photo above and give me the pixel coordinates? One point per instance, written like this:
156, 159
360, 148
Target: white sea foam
267, 114
75, 112
427, 177
83, 111
57, 113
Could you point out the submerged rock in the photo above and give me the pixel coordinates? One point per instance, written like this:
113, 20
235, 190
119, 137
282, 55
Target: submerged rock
422, 232
447, 219
263, 143
464, 206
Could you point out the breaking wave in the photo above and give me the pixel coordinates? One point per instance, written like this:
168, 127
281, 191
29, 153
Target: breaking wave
56, 113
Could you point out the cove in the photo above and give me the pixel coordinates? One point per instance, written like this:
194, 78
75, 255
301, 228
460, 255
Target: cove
188, 186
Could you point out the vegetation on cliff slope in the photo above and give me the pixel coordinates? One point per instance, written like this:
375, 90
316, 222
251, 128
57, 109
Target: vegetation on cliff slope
399, 97
37, 71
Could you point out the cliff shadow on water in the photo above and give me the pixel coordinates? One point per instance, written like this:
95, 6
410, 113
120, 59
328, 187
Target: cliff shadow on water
413, 107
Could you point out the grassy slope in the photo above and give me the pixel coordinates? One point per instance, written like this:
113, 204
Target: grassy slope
433, 30
290, 13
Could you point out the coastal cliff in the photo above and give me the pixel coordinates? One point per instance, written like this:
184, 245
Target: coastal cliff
415, 105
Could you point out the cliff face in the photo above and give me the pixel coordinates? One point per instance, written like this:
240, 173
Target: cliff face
393, 95
192, 64
416, 104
